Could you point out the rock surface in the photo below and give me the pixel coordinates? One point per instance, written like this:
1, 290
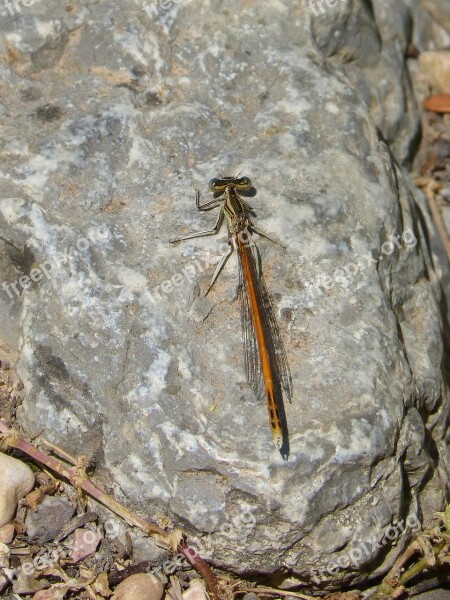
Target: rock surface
114, 113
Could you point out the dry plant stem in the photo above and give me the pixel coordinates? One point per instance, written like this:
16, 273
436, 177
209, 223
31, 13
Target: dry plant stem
78, 479
401, 561
202, 568
430, 187
61, 453
273, 592
385, 589
420, 566
428, 584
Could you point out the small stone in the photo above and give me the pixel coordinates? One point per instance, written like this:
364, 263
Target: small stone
435, 65
142, 586
7, 533
251, 596
16, 480
51, 515
195, 592
85, 542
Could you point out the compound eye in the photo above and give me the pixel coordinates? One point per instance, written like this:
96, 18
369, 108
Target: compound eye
216, 185
243, 183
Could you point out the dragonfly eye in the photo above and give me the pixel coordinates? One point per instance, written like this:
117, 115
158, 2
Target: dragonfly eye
217, 185
243, 183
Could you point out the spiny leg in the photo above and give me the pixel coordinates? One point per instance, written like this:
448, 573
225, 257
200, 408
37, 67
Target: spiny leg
220, 265
266, 235
213, 231
208, 205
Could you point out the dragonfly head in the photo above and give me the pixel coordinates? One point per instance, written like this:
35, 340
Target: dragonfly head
239, 183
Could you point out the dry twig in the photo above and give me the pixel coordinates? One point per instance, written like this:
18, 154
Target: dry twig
173, 541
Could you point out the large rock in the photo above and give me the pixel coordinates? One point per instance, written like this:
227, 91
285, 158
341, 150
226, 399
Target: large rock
115, 112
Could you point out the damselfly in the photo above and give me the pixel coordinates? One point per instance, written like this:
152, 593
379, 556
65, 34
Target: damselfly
266, 366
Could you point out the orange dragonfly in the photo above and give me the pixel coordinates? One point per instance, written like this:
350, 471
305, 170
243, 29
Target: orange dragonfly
265, 360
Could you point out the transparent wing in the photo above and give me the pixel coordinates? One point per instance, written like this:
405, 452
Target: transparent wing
271, 330
251, 354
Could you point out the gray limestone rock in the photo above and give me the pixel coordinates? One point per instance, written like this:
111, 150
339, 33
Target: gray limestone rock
113, 114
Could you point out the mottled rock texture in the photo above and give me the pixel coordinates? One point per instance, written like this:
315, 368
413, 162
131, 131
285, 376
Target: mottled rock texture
113, 114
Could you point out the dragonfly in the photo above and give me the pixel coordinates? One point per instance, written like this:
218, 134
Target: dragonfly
266, 366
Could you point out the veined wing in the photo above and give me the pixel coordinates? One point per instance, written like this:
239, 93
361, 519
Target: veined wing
251, 355
266, 365
271, 330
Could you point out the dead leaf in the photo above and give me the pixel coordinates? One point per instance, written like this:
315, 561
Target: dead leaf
33, 499
173, 540
175, 588
50, 594
4, 556
101, 585
440, 103
76, 523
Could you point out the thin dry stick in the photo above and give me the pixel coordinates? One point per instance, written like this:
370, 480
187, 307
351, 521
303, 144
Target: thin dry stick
201, 567
274, 592
421, 565
429, 584
62, 453
430, 187
393, 580
402, 560
78, 478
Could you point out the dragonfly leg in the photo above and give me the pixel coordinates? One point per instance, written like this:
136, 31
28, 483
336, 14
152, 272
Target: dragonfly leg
220, 265
208, 205
203, 233
266, 235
